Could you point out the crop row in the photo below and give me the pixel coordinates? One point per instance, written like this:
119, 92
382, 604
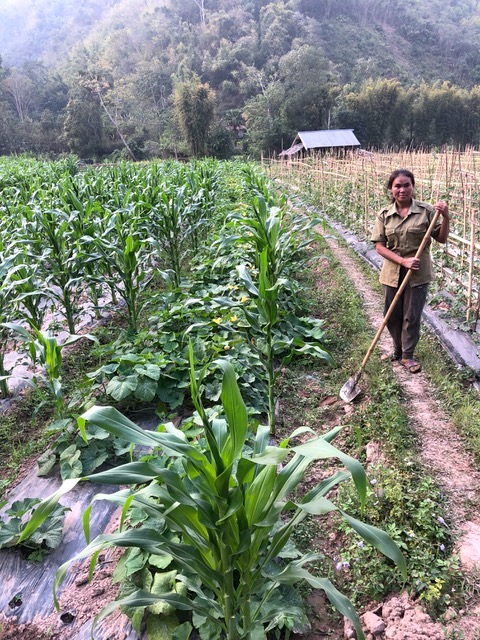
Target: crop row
203, 259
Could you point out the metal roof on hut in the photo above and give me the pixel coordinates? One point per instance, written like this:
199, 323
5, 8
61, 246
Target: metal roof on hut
326, 139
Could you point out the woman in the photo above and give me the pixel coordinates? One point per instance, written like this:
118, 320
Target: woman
398, 232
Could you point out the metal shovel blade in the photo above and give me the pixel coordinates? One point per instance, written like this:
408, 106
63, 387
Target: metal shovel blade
350, 389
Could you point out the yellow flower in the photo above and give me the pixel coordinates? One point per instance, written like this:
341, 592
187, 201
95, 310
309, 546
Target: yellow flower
233, 318
217, 320
243, 299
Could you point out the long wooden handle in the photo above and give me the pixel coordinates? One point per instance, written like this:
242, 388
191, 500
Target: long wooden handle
399, 293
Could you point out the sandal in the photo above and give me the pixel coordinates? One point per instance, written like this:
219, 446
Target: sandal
411, 365
393, 357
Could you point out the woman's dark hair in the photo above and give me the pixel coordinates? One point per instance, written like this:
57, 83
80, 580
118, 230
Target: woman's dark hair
400, 172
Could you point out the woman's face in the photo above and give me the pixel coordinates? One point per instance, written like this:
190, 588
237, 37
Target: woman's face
402, 190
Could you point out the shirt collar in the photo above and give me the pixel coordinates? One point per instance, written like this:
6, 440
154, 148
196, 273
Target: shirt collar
413, 209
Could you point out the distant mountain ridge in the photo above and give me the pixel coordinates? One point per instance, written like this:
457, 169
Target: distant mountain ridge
103, 76
422, 40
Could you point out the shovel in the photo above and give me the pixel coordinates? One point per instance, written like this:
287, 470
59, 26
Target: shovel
350, 389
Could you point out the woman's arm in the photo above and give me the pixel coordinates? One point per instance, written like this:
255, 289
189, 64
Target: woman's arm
408, 263
444, 231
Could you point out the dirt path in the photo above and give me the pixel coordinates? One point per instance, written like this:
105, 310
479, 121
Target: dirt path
441, 450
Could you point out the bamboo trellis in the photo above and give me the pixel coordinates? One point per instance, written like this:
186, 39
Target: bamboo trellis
352, 188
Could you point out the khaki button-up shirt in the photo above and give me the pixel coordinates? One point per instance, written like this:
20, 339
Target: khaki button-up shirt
403, 236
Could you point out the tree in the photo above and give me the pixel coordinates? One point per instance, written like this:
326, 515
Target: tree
83, 127
21, 89
266, 131
279, 25
373, 111
194, 110
310, 88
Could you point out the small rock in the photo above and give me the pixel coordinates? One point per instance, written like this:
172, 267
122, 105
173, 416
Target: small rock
375, 625
421, 617
349, 632
81, 580
450, 614
372, 452
98, 591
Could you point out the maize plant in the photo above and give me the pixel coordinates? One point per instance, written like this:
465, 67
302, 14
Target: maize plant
125, 259
48, 238
219, 519
170, 230
6, 269
45, 350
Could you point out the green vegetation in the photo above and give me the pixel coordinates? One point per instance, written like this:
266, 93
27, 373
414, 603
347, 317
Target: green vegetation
403, 498
47, 536
217, 519
232, 318
197, 76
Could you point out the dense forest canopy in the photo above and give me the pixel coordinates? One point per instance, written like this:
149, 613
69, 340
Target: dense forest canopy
144, 78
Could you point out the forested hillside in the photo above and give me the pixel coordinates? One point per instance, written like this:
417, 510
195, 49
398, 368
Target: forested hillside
150, 78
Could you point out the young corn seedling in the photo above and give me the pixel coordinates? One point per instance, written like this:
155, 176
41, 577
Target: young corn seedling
265, 330
274, 243
7, 272
30, 298
45, 350
125, 258
170, 230
86, 224
220, 517
49, 237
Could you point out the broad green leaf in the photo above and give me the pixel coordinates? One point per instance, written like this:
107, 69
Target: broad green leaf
20, 507
148, 370
380, 540
121, 387
163, 583
146, 389
9, 532
318, 448
182, 632
45, 508
160, 562
93, 456
71, 468
136, 561
236, 413
50, 533
161, 628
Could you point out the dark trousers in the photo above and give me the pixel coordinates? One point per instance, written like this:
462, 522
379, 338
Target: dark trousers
404, 323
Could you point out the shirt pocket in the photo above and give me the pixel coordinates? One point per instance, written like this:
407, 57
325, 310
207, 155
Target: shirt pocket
415, 235
392, 239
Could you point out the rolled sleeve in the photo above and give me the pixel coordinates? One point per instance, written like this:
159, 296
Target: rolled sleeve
378, 233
